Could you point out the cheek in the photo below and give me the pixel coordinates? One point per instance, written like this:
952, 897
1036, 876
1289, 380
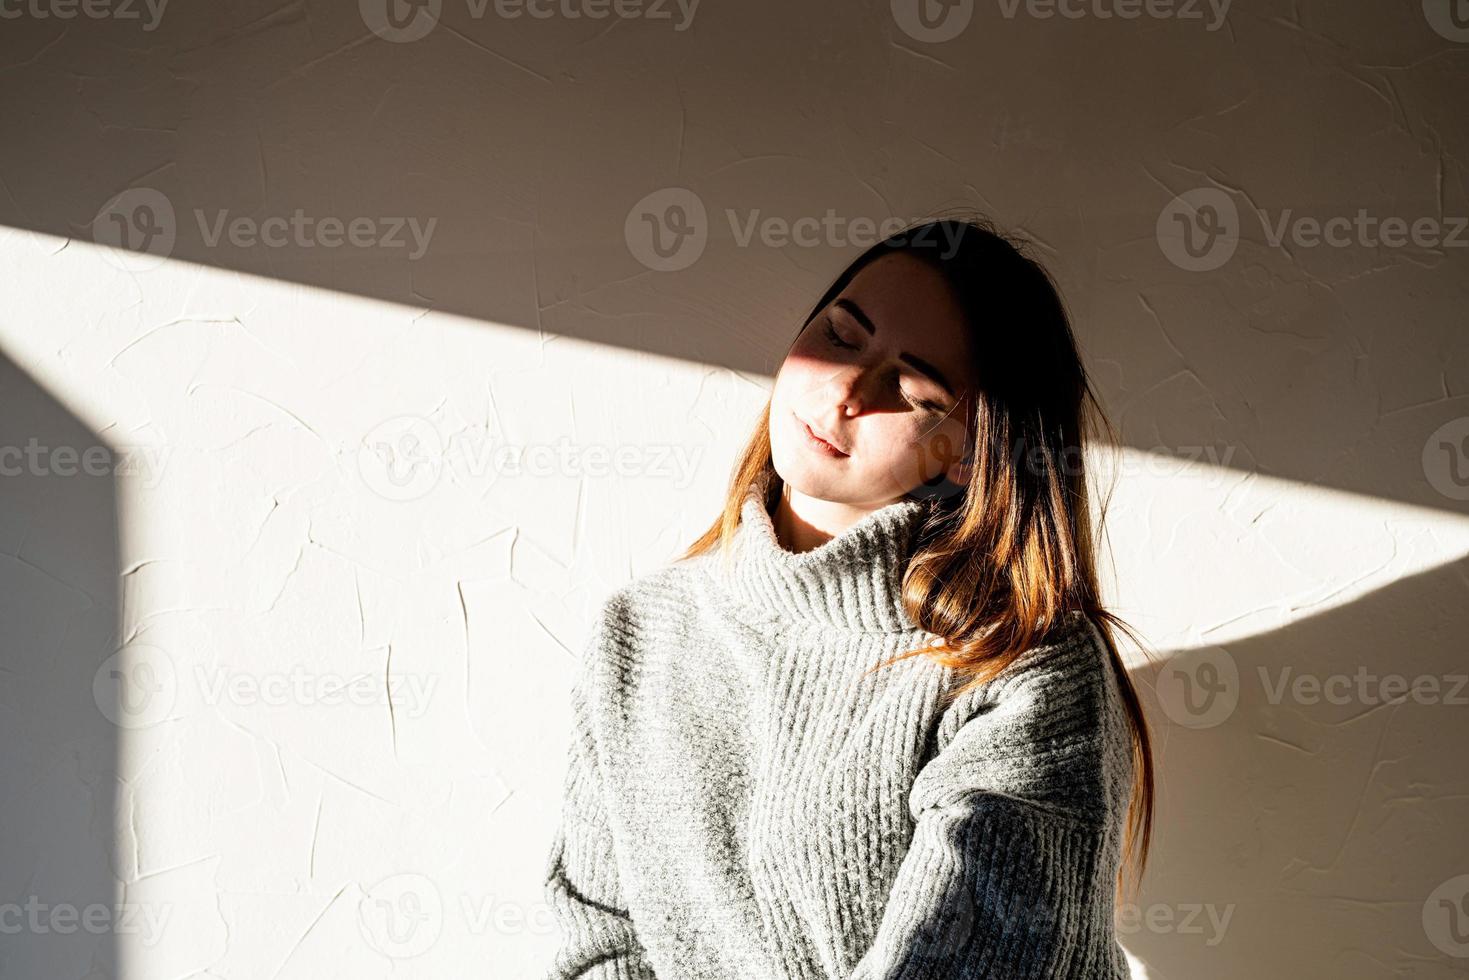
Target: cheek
889, 437
813, 352
797, 374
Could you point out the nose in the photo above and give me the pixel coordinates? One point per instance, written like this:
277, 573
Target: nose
847, 389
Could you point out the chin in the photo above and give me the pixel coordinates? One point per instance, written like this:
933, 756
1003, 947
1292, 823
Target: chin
792, 469
808, 478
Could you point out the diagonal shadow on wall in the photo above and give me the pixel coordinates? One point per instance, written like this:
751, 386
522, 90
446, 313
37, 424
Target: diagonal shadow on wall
527, 142
1274, 824
530, 143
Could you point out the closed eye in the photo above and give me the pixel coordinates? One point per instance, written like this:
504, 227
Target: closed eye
832, 335
923, 403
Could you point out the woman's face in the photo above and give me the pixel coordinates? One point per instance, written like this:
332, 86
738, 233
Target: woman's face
882, 373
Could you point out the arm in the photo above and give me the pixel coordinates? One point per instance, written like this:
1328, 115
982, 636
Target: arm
993, 888
598, 940
1013, 859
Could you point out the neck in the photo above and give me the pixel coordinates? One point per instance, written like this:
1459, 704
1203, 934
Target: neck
803, 523
851, 580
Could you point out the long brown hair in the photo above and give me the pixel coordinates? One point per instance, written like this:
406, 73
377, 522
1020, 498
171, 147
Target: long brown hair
1005, 556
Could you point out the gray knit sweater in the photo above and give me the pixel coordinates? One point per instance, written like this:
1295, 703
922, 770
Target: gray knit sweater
738, 804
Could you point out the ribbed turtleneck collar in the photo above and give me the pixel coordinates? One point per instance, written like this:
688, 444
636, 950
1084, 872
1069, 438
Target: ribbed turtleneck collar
853, 581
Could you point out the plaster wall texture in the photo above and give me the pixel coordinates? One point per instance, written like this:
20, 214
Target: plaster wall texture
283, 681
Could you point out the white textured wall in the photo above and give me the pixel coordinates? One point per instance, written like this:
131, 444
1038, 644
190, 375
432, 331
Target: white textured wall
270, 707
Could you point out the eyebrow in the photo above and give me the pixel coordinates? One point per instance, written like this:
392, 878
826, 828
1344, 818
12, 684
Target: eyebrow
857, 313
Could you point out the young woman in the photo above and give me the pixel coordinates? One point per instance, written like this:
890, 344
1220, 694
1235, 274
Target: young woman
873, 723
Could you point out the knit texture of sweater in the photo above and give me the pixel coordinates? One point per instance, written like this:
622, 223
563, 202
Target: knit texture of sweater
739, 803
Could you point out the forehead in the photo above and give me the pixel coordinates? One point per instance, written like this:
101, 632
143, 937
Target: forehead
914, 310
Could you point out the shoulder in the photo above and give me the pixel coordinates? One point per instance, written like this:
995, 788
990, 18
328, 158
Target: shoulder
1067, 676
1074, 646
1071, 661
1051, 730
646, 613
651, 601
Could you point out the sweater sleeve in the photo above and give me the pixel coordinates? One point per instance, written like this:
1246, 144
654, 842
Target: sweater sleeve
1011, 866
598, 939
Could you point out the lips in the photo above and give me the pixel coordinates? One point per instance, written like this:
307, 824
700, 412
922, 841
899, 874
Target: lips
821, 436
